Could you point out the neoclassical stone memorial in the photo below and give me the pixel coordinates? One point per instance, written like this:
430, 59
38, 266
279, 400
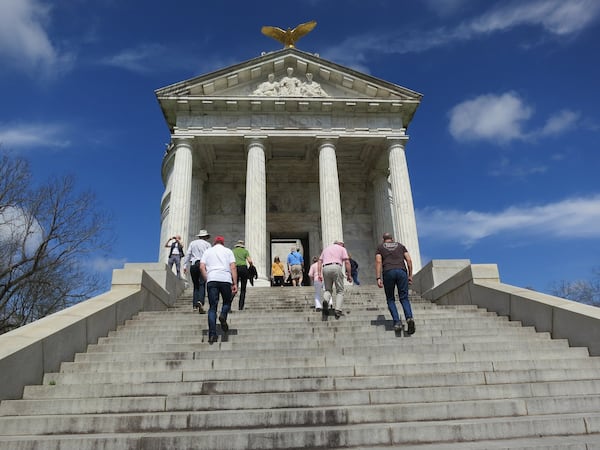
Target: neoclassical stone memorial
289, 147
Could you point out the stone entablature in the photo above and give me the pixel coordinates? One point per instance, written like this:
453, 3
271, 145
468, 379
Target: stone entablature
385, 124
233, 107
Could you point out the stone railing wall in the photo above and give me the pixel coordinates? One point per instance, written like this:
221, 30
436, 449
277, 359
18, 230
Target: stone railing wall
454, 282
40, 347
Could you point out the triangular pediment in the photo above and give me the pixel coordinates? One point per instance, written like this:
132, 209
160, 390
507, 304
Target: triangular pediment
245, 79
289, 75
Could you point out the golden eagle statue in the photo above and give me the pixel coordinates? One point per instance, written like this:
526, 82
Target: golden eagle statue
290, 36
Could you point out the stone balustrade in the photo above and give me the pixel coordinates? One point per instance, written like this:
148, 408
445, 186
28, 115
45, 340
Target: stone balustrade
39, 347
454, 282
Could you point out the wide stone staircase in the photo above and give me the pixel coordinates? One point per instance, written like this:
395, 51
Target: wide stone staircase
285, 377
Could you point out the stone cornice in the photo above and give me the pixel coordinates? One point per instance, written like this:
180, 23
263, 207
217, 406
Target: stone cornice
280, 104
243, 133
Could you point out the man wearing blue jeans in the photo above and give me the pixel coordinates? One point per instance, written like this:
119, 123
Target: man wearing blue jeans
192, 259
218, 269
393, 269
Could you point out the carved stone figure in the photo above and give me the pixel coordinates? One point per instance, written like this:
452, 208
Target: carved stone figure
268, 88
312, 88
289, 85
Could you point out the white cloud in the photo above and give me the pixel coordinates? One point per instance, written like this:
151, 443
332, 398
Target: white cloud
25, 136
489, 117
506, 168
142, 59
24, 42
569, 219
17, 225
559, 123
107, 264
556, 17
502, 118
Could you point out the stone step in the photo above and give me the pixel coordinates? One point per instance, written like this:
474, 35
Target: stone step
440, 335
301, 409
577, 385
285, 377
497, 370
317, 322
321, 360
423, 310
190, 435
305, 349
294, 334
195, 344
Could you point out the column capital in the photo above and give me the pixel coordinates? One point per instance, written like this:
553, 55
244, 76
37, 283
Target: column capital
255, 138
327, 139
394, 141
181, 141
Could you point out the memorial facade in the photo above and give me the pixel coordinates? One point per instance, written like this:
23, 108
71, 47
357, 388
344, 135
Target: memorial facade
289, 148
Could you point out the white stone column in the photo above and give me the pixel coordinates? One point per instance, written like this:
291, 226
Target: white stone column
181, 189
196, 206
256, 207
382, 213
329, 194
403, 208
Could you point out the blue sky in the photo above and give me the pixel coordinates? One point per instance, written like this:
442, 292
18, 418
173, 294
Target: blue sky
503, 155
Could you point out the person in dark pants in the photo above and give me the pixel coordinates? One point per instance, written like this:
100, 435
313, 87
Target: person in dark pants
175, 253
393, 269
192, 259
277, 272
242, 260
354, 270
218, 269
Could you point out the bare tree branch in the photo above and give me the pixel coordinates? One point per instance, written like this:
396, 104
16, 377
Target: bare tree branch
582, 291
47, 234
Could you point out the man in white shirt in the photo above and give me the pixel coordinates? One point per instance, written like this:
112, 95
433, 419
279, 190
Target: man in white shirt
192, 259
218, 269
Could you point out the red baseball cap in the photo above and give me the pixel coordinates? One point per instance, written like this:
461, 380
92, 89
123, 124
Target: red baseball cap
219, 240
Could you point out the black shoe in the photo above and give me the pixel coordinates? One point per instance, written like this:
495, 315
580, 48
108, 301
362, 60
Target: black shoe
213, 339
318, 309
411, 326
338, 314
201, 310
325, 309
398, 327
224, 325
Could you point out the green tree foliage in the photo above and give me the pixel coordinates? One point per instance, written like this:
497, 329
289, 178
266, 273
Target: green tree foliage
582, 291
48, 233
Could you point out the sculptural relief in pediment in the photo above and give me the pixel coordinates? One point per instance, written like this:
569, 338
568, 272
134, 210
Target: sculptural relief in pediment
290, 86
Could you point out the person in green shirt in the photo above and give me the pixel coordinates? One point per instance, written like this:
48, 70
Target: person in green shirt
242, 260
